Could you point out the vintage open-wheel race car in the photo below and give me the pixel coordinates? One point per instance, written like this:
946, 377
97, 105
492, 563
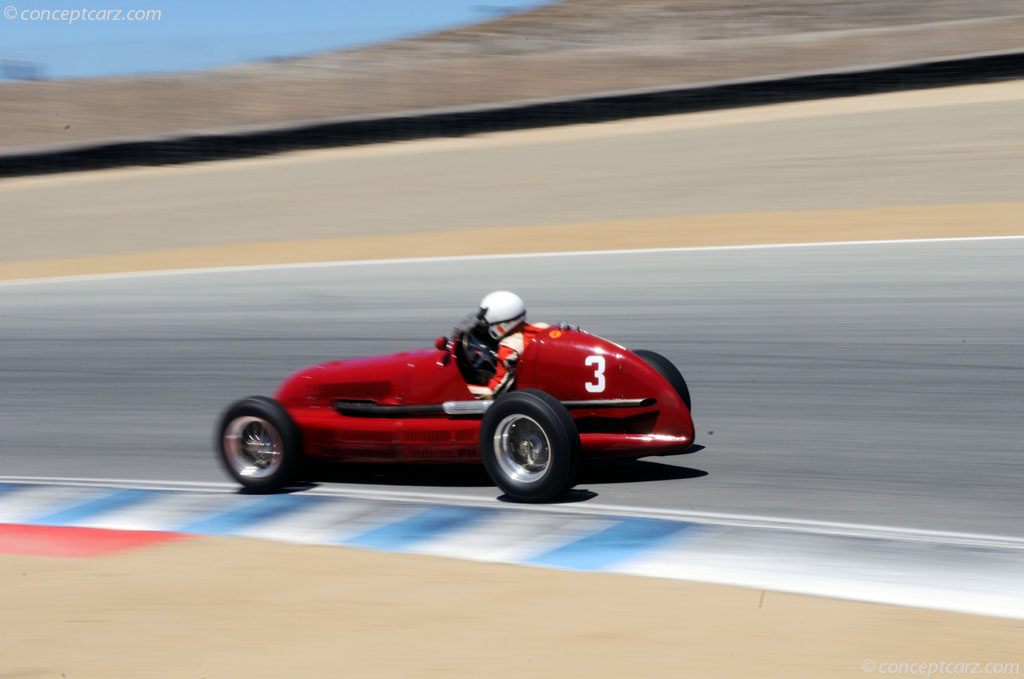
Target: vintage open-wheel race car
575, 396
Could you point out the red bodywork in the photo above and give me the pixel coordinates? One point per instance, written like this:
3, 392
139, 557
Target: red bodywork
559, 362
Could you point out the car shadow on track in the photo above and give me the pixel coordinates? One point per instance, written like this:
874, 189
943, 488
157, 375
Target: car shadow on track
436, 475
474, 476
635, 471
621, 471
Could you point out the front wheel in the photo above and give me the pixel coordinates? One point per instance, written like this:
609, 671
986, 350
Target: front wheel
259, 444
530, 446
669, 371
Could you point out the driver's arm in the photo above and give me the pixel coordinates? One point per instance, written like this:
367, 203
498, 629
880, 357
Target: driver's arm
481, 393
507, 357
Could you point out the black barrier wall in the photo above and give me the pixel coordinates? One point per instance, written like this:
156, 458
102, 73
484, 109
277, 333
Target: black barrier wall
519, 115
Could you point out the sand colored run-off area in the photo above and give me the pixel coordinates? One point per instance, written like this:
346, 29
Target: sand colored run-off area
945, 221
245, 608
927, 164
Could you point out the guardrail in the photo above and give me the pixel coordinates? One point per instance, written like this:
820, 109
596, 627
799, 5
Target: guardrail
516, 115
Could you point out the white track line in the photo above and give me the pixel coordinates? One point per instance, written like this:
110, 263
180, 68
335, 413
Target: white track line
471, 258
810, 526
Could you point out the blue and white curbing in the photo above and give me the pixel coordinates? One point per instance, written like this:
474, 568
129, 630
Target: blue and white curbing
957, 572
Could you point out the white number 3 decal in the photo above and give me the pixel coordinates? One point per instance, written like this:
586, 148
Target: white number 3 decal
598, 363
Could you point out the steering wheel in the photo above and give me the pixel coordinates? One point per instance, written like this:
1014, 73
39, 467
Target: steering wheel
480, 358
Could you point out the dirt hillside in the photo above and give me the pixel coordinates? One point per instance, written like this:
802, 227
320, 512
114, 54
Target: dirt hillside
573, 47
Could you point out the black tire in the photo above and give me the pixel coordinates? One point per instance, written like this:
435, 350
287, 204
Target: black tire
530, 415
259, 418
667, 370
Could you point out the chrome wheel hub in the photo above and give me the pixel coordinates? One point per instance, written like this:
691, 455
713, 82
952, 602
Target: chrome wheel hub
253, 447
522, 448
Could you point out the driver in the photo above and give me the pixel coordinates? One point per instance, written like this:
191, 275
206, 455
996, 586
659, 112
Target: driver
503, 314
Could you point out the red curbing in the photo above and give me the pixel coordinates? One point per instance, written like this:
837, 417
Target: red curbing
76, 542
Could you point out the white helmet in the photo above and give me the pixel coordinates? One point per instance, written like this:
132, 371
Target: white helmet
503, 311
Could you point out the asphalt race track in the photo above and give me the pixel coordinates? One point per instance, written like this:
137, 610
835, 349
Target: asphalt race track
876, 383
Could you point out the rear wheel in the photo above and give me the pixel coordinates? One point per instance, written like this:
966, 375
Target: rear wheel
259, 444
530, 446
669, 371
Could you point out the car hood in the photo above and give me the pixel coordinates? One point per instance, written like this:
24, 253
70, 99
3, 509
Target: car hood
375, 378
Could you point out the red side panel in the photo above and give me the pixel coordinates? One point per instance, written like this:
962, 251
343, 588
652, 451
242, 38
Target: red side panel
428, 377
575, 366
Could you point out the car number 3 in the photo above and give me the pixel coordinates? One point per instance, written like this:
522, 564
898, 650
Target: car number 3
597, 386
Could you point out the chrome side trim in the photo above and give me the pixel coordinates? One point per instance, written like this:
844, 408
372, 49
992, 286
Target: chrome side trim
470, 408
466, 407
612, 403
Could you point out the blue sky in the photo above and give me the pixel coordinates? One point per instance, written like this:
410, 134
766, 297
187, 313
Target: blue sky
191, 34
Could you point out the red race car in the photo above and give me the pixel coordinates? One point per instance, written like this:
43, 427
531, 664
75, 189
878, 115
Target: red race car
575, 396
